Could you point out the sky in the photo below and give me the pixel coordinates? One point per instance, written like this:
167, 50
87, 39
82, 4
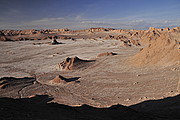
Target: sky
83, 14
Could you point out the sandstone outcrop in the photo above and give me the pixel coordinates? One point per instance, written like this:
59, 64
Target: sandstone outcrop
58, 79
74, 63
54, 41
3, 38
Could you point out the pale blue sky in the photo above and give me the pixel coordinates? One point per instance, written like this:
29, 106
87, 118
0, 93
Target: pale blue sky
81, 14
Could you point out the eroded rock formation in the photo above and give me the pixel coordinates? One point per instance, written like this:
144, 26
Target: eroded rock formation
74, 63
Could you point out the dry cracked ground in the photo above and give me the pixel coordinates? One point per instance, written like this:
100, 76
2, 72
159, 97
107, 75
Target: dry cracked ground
96, 91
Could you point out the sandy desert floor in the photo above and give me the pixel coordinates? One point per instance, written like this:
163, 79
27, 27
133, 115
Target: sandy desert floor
107, 81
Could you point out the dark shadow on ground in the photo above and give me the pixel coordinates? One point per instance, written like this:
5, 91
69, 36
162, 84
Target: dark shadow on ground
72, 79
34, 109
38, 99
167, 107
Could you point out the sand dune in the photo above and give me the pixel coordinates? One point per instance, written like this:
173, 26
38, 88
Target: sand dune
162, 50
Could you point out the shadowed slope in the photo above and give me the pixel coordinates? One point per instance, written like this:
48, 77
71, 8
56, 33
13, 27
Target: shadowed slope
30, 108
168, 107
